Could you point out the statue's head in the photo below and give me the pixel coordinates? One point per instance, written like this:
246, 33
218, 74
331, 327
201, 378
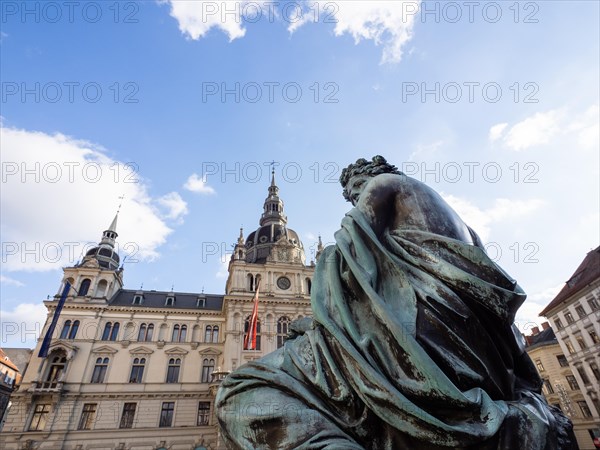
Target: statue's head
355, 175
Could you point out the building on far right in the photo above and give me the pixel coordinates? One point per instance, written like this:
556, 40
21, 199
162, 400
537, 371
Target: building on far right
575, 316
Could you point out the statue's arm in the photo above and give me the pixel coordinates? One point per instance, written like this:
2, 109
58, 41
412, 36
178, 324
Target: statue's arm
378, 201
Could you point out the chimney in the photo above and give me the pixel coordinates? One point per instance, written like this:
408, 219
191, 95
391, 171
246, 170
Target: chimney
545, 325
535, 331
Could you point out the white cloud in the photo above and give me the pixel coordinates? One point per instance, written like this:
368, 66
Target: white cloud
176, 207
497, 130
542, 127
22, 326
528, 315
387, 23
196, 184
481, 220
197, 17
10, 281
74, 188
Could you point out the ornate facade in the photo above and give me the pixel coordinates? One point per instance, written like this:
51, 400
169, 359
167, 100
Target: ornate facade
138, 370
575, 316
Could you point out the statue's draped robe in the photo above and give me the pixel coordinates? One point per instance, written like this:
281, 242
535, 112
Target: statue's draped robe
413, 347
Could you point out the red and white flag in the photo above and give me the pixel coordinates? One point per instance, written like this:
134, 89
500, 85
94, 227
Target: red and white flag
250, 338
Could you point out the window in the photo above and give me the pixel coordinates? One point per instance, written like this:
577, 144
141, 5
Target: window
283, 325
145, 333
211, 334
580, 311
593, 304
166, 414
99, 370
203, 413
69, 330
583, 375
539, 365
87, 416
137, 370
570, 347
170, 301
110, 331
179, 333
128, 415
173, 370
569, 318
593, 336
208, 367
585, 411
308, 286
562, 360
137, 299
595, 371
247, 326
201, 302
572, 383
548, 386
250, 282
581, 342
55, 371
558, 323
84, 287
40, 417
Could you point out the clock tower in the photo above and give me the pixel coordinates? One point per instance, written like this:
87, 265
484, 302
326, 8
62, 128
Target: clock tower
273, 255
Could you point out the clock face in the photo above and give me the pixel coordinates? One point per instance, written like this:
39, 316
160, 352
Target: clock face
283, 283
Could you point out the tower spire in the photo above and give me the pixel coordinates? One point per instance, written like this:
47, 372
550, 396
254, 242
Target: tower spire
273, 207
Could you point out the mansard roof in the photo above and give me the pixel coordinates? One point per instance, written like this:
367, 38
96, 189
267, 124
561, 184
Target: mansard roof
158, 299
587, 272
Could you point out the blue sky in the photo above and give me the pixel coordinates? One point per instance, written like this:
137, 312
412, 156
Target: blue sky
493, 104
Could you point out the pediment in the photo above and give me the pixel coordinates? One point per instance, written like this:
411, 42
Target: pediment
210, 351
104, 349
67, 346
141, 351
176, 351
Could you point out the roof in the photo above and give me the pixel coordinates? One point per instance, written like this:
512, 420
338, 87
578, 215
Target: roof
157, 299
545, 337
19, 357
4, 359
587, 272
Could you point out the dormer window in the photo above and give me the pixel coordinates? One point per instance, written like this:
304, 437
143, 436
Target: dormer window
201, 302
170, 301
137, 299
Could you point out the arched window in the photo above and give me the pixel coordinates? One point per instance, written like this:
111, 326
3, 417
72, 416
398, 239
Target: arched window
115, 331
145, 333
56, 370
215, 336
107, 330
173, 370
65, 331
84, 287
308, 286
250, 282
208, 367
247, 326
99, 370
101, 288
283, 325
74, 329
137, 370
179, 333
208, 333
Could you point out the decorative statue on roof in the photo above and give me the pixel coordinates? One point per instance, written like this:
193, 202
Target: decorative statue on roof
412, 345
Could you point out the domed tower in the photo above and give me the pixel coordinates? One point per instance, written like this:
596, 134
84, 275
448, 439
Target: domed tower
98, 276
272, 256
273, 241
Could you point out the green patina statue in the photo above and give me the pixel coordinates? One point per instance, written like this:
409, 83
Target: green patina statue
412, 346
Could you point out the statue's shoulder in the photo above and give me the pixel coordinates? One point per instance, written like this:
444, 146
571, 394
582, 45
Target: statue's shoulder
389, 183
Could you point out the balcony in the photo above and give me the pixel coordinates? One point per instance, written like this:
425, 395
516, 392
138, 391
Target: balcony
50, 387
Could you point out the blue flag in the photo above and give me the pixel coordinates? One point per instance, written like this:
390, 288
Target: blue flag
48, 338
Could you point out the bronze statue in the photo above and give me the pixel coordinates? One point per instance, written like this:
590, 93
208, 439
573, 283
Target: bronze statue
412, 346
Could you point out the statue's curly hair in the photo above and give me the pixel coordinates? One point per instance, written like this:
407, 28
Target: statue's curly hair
376, 166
